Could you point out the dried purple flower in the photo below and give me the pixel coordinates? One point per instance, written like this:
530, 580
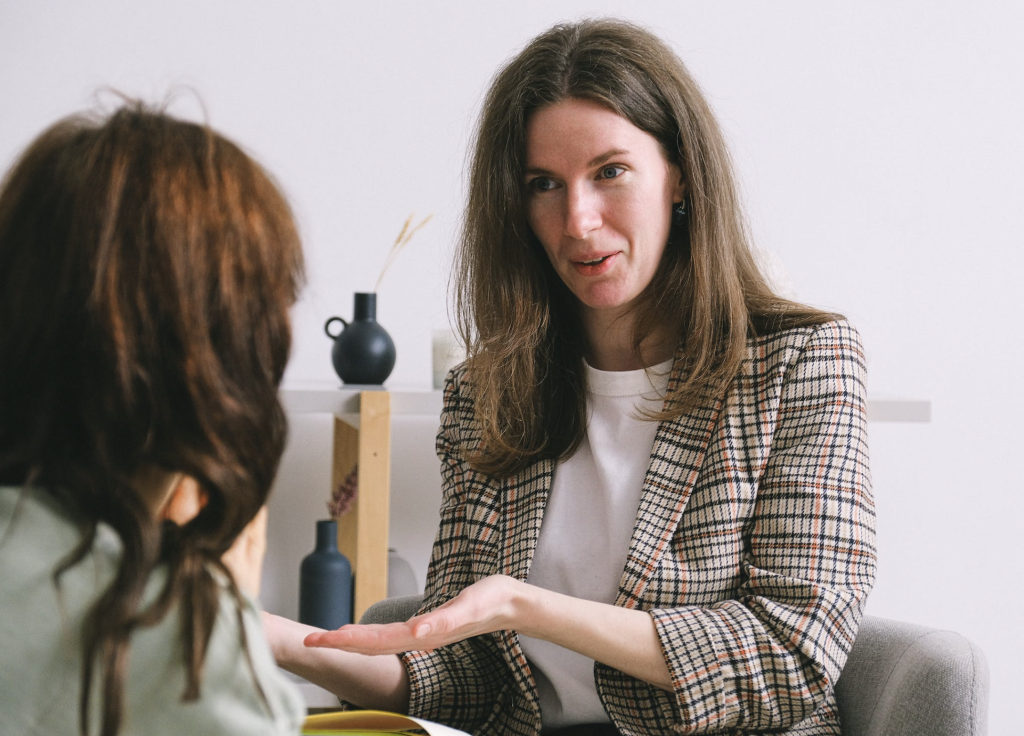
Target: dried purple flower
344, 494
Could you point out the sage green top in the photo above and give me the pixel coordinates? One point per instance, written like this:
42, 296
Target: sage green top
41, 647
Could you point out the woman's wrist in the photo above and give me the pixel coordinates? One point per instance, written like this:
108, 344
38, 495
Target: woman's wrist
527, 604
285, 638
273, 633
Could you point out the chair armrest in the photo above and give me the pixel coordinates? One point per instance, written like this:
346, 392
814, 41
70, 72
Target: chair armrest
907, 680
390, 610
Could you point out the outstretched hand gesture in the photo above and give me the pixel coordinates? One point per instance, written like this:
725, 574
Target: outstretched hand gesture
487, 605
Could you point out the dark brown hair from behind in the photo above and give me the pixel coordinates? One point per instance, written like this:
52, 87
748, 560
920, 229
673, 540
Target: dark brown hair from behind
147, 267
520, 322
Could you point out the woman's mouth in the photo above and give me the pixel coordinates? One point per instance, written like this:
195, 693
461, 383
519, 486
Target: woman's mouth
594, 266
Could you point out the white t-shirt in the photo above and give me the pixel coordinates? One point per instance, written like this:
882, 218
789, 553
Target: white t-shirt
587, 527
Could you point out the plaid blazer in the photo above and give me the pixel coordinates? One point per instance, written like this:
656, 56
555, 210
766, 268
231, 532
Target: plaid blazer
753, 551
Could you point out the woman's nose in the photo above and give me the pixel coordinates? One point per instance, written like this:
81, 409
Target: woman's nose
583, 213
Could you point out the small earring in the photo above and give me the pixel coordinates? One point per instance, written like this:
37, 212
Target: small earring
679, 213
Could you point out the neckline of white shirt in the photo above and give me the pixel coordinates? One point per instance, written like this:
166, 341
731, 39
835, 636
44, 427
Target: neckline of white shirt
629, 383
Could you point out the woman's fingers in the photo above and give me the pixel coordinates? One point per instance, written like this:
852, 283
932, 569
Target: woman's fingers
420, 633
367, 639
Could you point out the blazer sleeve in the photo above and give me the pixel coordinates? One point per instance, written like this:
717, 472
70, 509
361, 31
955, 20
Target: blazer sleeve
465, 683
769, 658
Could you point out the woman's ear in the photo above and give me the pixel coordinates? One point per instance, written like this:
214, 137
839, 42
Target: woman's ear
679, 193
185, 501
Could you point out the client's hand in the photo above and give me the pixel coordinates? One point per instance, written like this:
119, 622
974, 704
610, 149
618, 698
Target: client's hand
245, 558
487, 605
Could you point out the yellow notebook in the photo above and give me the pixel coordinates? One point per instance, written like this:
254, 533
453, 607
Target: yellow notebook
372, 723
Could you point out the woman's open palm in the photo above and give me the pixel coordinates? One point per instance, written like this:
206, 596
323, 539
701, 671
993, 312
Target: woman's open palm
481, 608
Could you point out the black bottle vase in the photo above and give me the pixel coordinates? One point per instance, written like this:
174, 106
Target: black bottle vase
325, 581
363, 352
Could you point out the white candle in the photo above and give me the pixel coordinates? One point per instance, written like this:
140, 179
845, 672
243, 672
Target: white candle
447, 353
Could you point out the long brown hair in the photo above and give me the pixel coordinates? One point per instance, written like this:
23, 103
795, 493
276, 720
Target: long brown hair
517, 318
147, 266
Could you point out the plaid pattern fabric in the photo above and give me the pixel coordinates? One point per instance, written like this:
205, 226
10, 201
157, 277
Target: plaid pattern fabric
753, 550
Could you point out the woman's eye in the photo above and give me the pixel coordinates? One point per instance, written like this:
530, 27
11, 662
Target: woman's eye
610, 172
542, 184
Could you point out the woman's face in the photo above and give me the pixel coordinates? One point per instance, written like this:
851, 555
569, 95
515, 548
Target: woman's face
600, 194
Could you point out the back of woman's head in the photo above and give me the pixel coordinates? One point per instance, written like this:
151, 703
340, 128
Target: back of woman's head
147, 267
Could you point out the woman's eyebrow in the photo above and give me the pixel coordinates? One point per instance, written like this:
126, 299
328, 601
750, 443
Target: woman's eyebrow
531, 170
596, 161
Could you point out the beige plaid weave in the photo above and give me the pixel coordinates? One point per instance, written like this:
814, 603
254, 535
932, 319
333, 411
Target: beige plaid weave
753, 550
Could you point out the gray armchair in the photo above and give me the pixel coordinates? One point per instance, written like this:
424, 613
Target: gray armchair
900, 679
908, 680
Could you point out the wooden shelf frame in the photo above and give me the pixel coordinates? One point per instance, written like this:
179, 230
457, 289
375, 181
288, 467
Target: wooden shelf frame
362, 436
363, 531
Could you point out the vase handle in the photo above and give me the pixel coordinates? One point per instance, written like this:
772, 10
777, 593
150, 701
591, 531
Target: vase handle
327, 327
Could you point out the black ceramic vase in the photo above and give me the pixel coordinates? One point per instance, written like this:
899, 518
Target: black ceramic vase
325, 581
363, 352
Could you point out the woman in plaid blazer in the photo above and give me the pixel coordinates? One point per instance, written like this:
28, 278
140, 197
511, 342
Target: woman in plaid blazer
602, 238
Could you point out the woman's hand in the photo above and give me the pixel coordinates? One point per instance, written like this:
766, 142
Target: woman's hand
369, 682
487, 605
625, 639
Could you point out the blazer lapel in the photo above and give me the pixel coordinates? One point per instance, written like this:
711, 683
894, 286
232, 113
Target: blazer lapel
524, 497
679, 449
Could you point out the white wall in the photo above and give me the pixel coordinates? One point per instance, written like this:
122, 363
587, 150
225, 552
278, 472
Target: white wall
879, 145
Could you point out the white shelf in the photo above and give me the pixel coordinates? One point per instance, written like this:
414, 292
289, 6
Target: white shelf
329, 397
899, 410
